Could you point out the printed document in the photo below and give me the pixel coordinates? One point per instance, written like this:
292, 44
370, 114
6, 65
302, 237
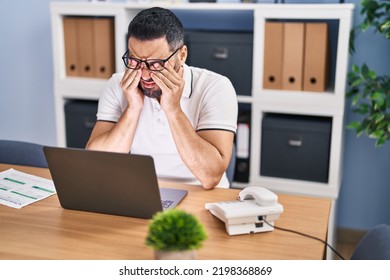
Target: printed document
18, 189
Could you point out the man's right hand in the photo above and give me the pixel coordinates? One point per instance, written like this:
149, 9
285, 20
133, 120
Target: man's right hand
129, 85
118, 137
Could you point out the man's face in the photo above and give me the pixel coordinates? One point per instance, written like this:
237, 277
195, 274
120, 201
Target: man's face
151, 50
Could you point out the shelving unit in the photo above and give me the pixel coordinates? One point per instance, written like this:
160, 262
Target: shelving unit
328, 104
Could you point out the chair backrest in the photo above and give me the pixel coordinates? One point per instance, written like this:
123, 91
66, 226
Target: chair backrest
22, 153
232, 166
375, 244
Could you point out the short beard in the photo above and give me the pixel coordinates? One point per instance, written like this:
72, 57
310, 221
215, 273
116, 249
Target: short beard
151, 93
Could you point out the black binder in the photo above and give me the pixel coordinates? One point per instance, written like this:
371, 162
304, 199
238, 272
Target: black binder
242, 142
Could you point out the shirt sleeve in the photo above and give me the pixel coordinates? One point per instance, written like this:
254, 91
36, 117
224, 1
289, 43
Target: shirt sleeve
220, 108
112, 102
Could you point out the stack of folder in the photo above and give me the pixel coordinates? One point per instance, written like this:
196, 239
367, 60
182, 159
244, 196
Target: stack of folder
296, 56
89, 47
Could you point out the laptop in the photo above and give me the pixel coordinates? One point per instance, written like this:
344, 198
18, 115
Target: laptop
109, 183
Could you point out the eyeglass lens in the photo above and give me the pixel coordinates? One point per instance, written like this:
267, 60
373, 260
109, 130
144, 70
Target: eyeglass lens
156, 65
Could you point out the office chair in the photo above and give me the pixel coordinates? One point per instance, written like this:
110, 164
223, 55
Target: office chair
22, 153
375, 244
232, 166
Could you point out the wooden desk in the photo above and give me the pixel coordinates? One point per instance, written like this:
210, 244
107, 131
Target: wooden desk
43, 230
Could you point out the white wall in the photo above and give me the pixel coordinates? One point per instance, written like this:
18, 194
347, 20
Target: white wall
26, 72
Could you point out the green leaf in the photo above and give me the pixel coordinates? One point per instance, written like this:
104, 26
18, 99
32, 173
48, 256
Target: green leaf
355, 69
382, 125
363, 109
364, 26
351, 92
354, 125
379, 99
380, 141
365, 71
371, 74
355, 100
378, 117
377, 95
357, 82
385, 24
376, 134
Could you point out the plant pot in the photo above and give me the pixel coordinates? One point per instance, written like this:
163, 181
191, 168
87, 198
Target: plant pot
175, 255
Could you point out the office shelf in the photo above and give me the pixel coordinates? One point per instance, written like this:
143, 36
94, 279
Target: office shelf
329, 103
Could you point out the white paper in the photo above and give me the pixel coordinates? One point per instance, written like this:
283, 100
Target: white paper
18, 189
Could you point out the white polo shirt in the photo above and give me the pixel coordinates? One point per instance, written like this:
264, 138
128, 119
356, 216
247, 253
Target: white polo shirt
209, 101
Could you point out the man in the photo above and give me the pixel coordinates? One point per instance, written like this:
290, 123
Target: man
184, 117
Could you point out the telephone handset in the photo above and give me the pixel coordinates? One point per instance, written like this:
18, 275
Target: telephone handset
247, 214
262, 196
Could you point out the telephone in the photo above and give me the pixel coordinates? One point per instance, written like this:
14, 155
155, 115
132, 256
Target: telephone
247, 214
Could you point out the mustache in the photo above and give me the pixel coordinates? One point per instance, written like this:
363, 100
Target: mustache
148, 80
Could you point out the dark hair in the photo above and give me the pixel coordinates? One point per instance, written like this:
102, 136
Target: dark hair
156, 22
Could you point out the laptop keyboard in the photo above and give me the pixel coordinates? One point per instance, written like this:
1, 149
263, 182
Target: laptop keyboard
166, 203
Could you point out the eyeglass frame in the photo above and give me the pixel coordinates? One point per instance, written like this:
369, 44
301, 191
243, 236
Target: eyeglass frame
147, 61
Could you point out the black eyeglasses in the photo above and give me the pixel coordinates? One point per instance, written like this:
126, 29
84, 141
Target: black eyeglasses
152, 64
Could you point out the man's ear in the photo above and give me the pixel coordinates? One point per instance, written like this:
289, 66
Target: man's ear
183, 52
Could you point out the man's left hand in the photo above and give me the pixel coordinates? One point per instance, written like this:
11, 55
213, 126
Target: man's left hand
171, 83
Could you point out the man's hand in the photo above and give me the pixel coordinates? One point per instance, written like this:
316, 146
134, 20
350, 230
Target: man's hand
171, 83
129, 85
118, 137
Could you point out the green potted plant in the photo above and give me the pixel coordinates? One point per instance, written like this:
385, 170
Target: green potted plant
369, 92
175, 234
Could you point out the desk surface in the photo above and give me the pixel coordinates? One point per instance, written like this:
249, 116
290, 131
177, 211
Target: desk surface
44, 230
